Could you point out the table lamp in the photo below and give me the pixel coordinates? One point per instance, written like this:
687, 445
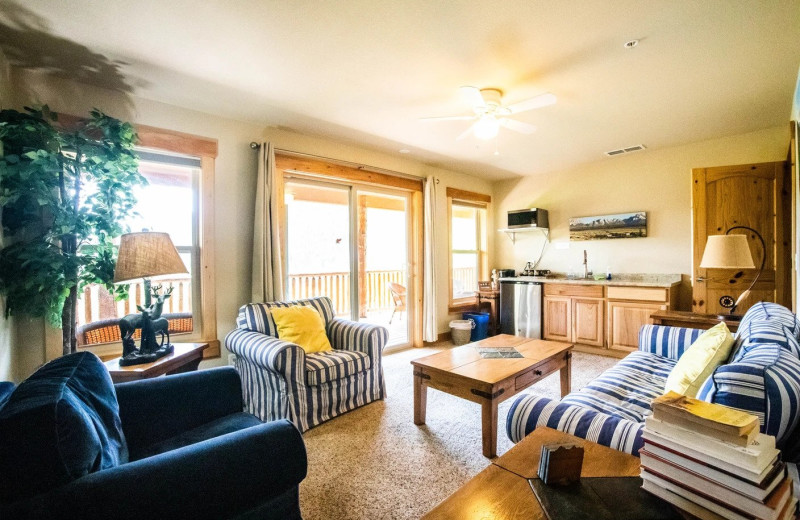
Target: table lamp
142, 256
732, 252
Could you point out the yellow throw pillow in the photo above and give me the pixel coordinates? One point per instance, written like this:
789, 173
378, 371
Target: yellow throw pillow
301, 325
707, 352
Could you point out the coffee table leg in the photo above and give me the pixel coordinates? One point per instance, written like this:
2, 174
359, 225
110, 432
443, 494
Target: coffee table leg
489, 427
566, 376
420, 399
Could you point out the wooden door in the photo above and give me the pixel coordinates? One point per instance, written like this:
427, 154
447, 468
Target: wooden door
753, 195
557, 318
587, 321
624, 321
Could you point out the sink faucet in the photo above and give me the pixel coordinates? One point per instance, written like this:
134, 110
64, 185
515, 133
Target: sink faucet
585, 265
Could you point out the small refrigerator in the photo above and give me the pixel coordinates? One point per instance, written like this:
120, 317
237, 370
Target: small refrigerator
521, 308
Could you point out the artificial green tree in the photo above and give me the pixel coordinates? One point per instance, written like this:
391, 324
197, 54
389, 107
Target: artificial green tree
65, 191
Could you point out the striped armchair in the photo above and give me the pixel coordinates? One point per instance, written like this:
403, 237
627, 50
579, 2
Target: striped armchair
761, 376
281, 381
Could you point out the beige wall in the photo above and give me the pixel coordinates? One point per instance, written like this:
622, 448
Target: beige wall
655, 181
234, 190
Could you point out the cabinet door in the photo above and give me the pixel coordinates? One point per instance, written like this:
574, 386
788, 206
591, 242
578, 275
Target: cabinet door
587, 321
624, 321
558, 318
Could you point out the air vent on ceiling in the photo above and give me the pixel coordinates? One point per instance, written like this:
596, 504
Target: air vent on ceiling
629, 149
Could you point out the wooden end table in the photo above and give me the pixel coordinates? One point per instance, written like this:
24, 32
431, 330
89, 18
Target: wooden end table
185, 358
462, 372
692, 320
502, 490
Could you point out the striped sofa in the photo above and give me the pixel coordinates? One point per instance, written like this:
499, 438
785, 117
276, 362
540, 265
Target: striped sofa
281, 381
761, 376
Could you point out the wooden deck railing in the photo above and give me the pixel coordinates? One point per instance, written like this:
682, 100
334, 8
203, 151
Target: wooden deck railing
97, 304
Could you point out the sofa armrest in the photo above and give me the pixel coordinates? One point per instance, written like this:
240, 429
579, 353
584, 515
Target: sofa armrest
529, 411
267, 352
219, 478
664, 341
152, 410
362, 337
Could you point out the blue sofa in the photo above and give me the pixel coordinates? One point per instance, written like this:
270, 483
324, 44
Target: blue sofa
761, 376
73, 445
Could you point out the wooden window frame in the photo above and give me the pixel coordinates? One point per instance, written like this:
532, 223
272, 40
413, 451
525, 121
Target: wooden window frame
206, 149
472, 199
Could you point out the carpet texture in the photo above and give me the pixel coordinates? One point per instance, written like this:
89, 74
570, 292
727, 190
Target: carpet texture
373, 463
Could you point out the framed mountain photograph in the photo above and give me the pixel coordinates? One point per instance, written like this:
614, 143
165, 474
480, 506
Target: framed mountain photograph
623, 225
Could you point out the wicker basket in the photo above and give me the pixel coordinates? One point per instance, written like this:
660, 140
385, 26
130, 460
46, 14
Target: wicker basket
460, 331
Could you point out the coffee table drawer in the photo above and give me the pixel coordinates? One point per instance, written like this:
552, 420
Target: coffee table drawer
537, 372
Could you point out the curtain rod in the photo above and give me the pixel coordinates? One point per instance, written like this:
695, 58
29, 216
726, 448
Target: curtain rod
255, 146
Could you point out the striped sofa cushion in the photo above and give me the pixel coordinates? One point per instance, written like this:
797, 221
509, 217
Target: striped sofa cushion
764, 382
771, 312
322, 367
626, 389
758, 332
258, 318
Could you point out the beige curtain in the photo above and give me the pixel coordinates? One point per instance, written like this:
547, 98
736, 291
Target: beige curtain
267, 257
430, 330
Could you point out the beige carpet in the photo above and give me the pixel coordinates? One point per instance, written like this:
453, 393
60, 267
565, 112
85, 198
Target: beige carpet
373, 463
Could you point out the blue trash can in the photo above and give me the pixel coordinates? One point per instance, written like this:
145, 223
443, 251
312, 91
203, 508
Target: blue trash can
481, 319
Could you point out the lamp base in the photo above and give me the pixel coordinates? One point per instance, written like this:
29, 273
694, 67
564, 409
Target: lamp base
137, 357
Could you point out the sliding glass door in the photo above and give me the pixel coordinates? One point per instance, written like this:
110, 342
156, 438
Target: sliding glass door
350, 243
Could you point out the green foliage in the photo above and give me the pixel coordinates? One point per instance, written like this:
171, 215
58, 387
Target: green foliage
64, 192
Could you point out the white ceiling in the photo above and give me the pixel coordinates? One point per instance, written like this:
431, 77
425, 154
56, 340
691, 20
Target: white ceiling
366, 70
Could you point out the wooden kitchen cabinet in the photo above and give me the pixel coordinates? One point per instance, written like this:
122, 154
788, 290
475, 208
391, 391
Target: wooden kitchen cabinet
624, 321
587, 321
558, 318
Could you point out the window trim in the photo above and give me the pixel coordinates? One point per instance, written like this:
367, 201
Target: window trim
472, 199
207, 150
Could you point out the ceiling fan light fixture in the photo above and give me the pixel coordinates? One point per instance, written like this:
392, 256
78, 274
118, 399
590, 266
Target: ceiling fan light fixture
486, 127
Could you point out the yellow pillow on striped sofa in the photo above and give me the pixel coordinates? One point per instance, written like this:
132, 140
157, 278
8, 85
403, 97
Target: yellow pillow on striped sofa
708, 351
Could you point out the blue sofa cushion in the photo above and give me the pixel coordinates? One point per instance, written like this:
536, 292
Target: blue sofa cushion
768, 311
764, 382
58, 425
626, 389
758, 332
228, 424
6, 388
257, 317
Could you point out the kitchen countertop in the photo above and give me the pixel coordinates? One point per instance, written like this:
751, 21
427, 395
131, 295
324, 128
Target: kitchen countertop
630, 280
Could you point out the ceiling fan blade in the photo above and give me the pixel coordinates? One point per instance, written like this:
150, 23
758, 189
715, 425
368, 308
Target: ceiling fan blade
517, 126
540, 101
465, 133
472, 95
447, 118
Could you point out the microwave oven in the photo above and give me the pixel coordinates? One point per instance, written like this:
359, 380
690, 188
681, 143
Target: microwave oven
527, 218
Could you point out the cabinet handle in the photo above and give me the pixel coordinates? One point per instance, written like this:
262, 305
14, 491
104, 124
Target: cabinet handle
537, 372
700, 279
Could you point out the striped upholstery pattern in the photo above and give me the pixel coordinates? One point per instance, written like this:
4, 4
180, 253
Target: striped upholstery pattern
764, 382
626, 389
258, 318
668, 342
759, 332
529, 411
279, 381
773, 312
330, 365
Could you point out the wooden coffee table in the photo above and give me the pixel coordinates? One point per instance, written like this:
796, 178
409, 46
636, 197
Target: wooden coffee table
502, 490
462, 372
185, 358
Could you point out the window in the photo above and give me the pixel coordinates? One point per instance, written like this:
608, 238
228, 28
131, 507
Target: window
200, 293
168, 203
468, 245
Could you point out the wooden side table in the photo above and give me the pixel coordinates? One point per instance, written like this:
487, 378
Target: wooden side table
692, 320
185, 358
502, 489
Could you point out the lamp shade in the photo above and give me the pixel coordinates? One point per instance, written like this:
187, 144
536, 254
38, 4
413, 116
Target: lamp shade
144, 255
727, 252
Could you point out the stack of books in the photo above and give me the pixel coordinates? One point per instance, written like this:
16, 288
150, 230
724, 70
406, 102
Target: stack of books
713, 462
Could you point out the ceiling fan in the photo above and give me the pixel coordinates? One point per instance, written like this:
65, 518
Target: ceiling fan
490, 113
